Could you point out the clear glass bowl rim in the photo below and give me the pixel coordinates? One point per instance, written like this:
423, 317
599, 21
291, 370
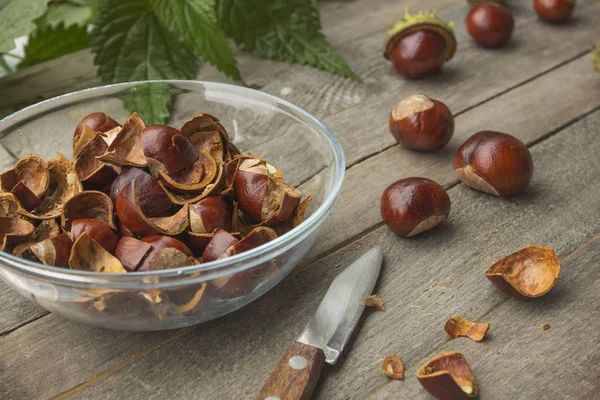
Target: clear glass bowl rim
190, 274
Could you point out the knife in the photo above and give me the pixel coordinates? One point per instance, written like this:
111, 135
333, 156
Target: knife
327, 332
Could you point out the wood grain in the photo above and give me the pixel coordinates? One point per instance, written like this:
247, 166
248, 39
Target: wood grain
16, 310
424, 281
519, 360
296, 375
565, 86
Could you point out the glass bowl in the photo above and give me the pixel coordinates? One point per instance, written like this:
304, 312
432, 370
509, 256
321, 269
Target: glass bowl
300, 145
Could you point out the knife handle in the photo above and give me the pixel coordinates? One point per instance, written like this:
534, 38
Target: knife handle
296, 375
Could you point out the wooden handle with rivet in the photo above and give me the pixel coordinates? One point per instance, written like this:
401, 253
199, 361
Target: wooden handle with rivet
296, 375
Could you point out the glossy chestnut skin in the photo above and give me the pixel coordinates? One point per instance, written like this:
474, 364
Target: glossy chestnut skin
554, 11
169, 147
99, 231
153, 202
420, 123
138, 255
218, 245
97, 121
494, 163
414, 205
419, 53
210, 214
490, 24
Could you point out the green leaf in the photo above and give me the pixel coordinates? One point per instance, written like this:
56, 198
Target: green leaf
195, 22
47, 43
16, 20
69, 13
282, 30
151, 100
130, 44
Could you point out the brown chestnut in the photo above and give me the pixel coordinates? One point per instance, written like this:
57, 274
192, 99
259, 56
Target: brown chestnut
420, 44
494, 163
142, 255
554, 11
490, 24
153, 202
166, 148
420, 123
414, 205
54, 251
209, 215
103, 234
218, 245
97, 121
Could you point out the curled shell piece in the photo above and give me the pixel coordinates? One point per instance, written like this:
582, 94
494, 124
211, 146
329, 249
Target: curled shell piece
14, 231
87, 255
126, 147
54, 251
447, 376
528, 273
89, 204
458, 326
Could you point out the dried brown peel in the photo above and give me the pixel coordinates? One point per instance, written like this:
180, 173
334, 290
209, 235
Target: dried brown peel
90, 169
375, 302
64, 184
9, 205
193, 179
132, 217
54, 251
87, 255
132, 253
458, 326
206, 133
126, 147
528, 273
393, 367
14, 231
83, 140
26, 197
89, 204
154, 201
424, 20
169, 258
33, 172
257, 237
212, 189
448, 377
280, 203
220, 242
210, 214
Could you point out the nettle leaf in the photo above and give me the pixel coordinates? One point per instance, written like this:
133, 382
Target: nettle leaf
131, 44
282, 30
69, 13
49, 42
195, 22
16, 20
151, 100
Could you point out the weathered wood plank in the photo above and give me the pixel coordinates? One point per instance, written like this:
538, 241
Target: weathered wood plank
572, 102
528, 112
521, 361
77, 351
16, 310
424, 280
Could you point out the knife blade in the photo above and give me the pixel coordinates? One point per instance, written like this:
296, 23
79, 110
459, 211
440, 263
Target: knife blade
326, 333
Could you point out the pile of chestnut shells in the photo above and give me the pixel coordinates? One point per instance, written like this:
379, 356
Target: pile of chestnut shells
144, 198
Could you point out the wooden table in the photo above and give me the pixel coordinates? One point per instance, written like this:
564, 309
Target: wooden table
540, 88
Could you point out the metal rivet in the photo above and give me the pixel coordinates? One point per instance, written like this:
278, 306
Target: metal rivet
298, 362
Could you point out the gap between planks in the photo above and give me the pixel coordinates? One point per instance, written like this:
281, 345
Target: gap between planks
478, 319
180, 332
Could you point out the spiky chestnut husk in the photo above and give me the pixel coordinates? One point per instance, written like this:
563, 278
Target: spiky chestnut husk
424, 20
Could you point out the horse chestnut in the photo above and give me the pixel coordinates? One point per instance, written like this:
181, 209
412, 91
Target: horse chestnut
414, 205
97, 121
494, 163
554, 11
421, 123
420, 44
490, 24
